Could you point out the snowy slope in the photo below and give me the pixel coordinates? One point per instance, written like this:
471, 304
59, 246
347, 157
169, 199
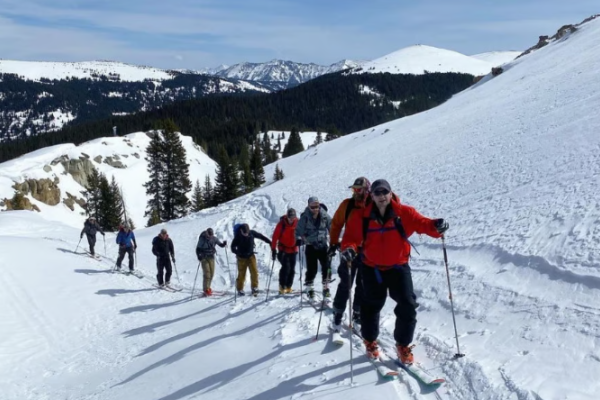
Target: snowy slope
420, 58
131, 152
497, 57
35, 70
513, 164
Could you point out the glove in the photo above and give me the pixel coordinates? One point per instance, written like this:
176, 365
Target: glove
440, 225
332, 249
81, 236
225, 242
102, 233
348, 255
173, 258
274, 254
134, 247
299, 242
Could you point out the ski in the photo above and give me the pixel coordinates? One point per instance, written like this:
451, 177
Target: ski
166, 288
421, 374
173, 289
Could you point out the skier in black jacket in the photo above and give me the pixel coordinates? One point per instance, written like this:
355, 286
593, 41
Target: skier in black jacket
243, 247
162, 248
90, 228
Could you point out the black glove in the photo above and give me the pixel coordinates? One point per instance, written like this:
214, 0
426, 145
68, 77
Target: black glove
274, 254
134, 247
440, 225
348, 255
200, 256
299, 242
102, 233
81, 236
332, 250
225, 242
173, 258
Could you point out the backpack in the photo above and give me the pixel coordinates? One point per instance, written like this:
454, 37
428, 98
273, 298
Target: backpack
202, 243
236, 229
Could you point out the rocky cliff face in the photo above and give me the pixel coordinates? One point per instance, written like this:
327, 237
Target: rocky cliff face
44, 190
80, 169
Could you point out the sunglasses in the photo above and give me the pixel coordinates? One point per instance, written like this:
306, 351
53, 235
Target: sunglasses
381, 192
314, 207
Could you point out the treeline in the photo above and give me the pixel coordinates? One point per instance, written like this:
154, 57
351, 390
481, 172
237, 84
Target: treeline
335, 103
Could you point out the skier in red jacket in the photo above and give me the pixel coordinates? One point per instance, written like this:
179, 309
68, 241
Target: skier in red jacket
284, 240
383, 230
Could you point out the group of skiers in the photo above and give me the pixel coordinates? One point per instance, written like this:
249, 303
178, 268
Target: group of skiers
374, 251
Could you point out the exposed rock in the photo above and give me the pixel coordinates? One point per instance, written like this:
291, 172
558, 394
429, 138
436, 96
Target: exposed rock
84, 155
47, 168
477, 79
71, 200
59, 160
543, 41
43, 190
497, 71
563, 31
26, 203
114, 162
80, 170
98, 159
136, 155
125, 155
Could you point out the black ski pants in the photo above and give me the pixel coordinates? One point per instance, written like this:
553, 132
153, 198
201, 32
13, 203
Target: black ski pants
376, 284
162, 264
343, 290
288, 269
91, 241
314, 257
122, 251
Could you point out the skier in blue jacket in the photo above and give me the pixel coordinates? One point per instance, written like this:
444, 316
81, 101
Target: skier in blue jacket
127, 244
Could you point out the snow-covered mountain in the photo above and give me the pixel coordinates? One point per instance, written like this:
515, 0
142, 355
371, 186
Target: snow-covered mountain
512, 164
420, 59
286, 72
54, 177
36, 70
497, 57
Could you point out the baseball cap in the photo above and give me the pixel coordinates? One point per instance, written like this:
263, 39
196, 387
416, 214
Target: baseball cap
313, 199
291, 213
380, 184
359, 183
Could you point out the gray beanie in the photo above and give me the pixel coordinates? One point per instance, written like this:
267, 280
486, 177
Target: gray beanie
313, 199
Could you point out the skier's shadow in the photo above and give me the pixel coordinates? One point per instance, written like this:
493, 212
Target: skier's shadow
115, 292
180, 354
285, 389
151, 328
93, 271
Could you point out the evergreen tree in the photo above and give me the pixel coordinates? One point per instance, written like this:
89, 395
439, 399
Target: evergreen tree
208, 193
272, 137
175, 182
263, 126
332, 133
92, 194
294, 144
318, 138
278, 173
227, 180
247, 180
110, 208
197, 198
155, 155
256, 166
279, 145
154, 218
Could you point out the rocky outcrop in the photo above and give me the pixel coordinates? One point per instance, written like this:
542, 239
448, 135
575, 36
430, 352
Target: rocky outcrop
44, 190
47, 168
71, 200
114, 161
497, 71
80, 169
98, 159
25, 204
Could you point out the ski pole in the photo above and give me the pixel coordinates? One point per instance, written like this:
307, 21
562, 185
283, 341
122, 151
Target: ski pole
81, 237
177, 273
194, 287
104, 240
320, 316
270, 276
350, 304
228, 265
458, 353
301, 258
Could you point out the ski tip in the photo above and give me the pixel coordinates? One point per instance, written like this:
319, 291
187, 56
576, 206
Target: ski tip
438, 381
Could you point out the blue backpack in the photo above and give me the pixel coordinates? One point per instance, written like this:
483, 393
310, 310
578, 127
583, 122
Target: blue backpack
236, 229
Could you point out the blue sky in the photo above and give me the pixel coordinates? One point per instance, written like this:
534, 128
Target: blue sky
205, 33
